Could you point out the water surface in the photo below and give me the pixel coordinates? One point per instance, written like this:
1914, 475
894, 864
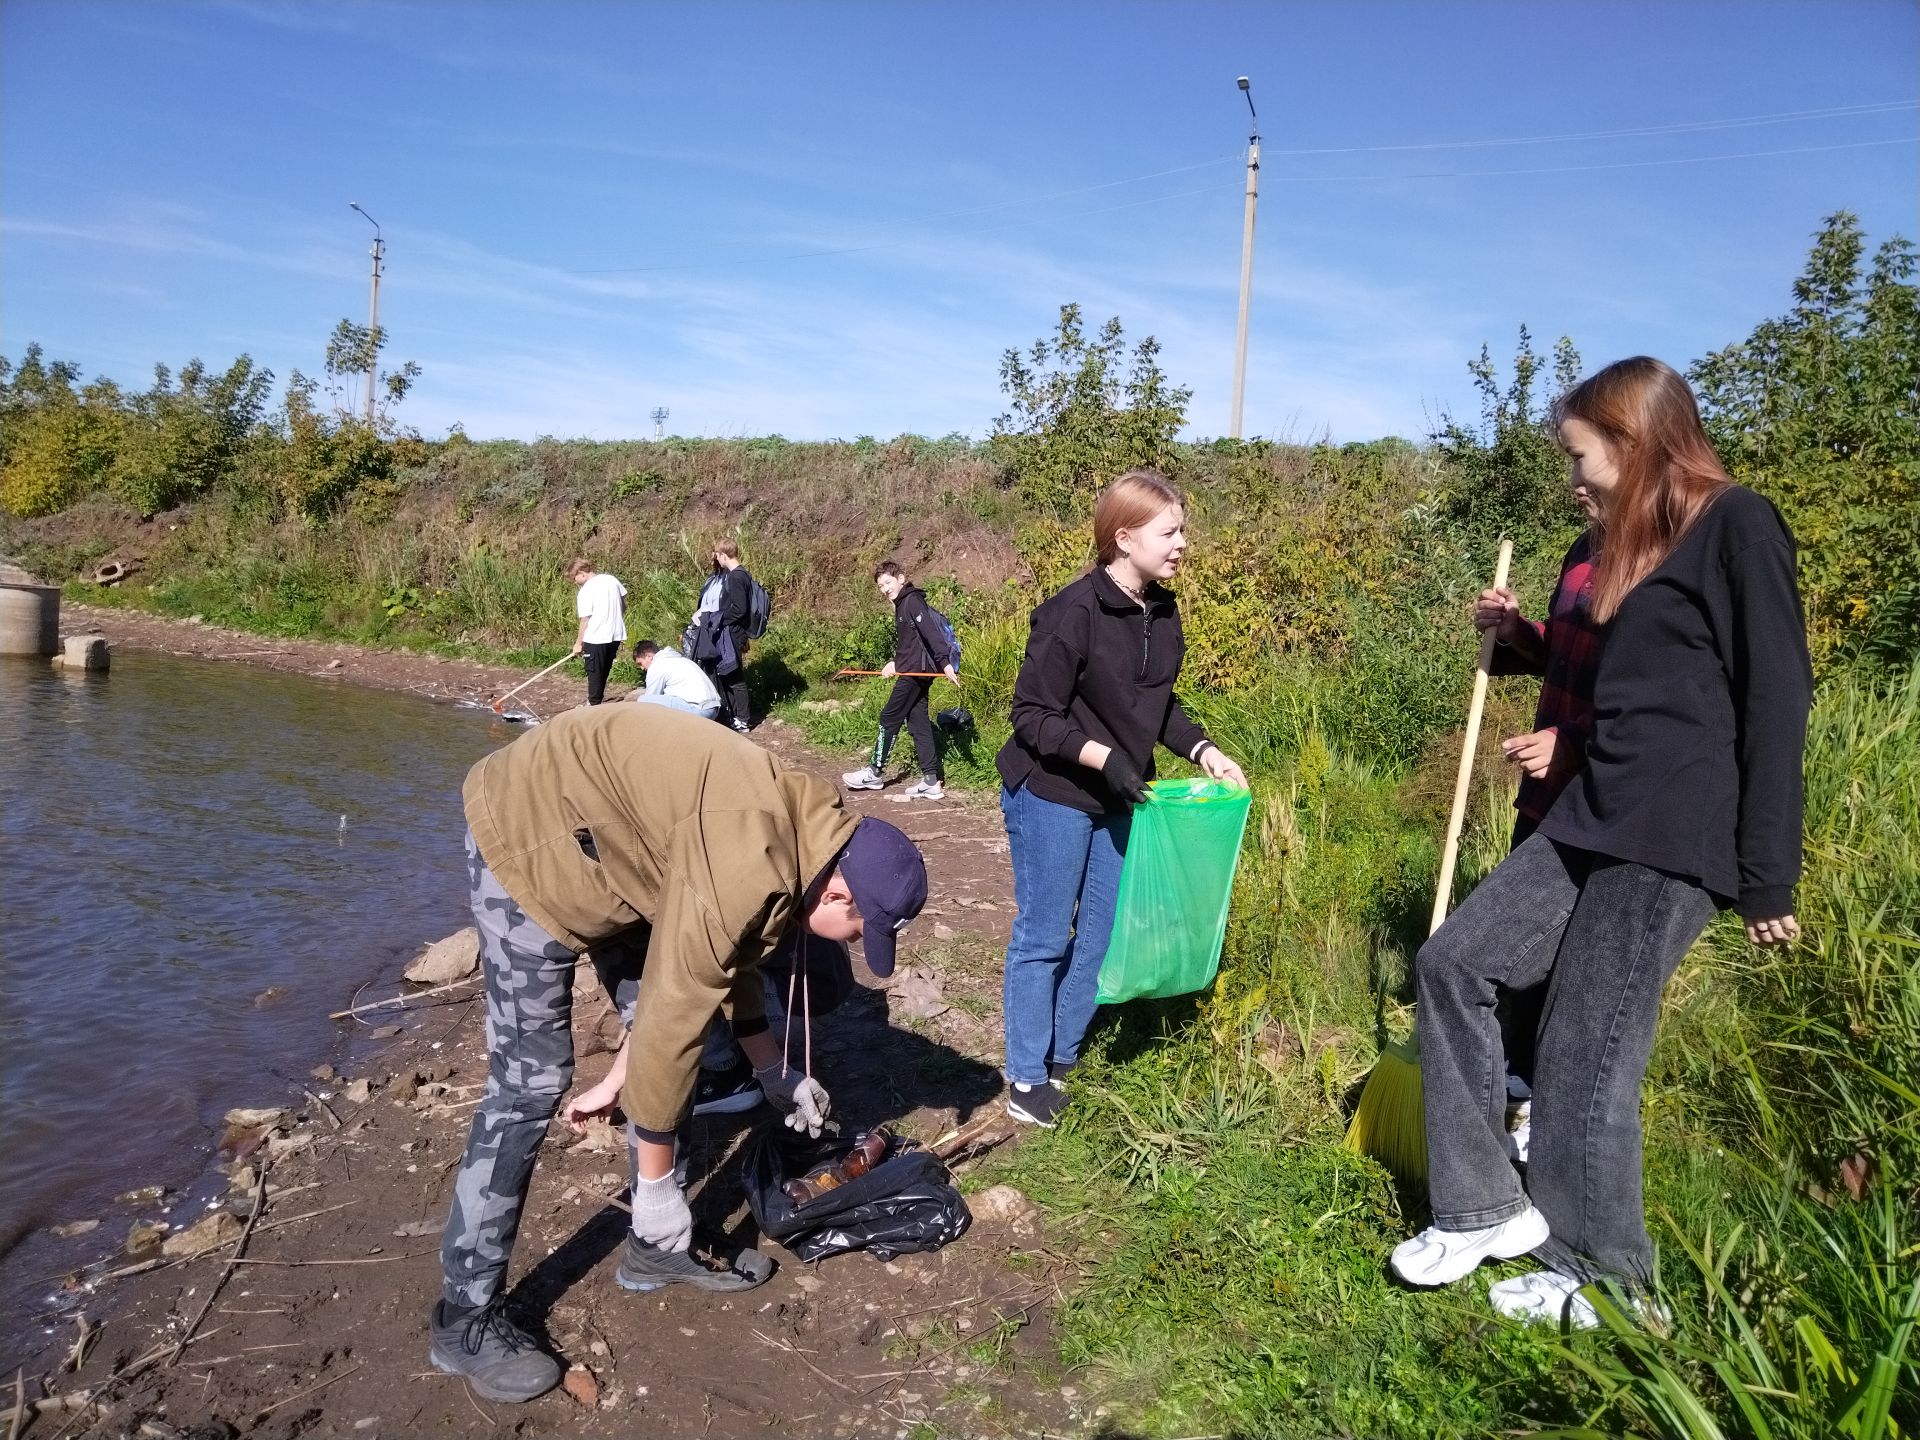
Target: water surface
179, 838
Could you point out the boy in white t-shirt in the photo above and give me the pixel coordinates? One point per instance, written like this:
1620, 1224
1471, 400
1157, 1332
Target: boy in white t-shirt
675, 681
601, 606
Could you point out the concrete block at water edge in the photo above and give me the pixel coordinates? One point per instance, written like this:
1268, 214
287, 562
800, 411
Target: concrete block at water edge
29, 618
84, 652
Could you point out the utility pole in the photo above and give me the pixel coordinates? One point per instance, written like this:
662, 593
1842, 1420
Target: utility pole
1246, 263
373, 309
659, 421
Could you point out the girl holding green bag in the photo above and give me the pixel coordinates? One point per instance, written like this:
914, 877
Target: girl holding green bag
1093, 698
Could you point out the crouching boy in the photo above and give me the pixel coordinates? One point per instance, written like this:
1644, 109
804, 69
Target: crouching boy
636, 826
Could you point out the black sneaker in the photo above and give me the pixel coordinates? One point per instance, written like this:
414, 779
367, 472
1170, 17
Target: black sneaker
1056, 1072
727, 1092
645, 1267
495, 1356
1036, 1104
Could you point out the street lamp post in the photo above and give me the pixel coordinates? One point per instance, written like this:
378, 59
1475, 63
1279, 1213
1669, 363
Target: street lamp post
373, 308
1246, 263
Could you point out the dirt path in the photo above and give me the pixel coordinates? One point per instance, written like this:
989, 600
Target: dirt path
321, 1329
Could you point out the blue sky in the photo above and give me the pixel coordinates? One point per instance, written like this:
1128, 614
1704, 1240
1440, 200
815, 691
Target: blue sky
594, 209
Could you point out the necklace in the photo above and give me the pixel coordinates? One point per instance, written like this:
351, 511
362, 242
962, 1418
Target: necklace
1137, 596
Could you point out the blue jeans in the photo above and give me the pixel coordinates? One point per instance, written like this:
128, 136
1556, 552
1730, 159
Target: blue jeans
674, 702
1066, 880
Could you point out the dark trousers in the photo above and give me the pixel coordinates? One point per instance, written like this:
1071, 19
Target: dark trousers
733, 693
1520, 1009
599, 662
907, 706
1604, 935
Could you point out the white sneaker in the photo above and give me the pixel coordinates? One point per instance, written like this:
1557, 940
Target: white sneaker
927, 790
1520, 1137
1439, 1257
1518, 1089
1543, 1297
865, 778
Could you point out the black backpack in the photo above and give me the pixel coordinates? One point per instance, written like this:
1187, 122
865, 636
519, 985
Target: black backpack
759, 608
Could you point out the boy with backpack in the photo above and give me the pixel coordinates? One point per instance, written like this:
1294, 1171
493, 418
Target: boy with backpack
923, 645
743, 614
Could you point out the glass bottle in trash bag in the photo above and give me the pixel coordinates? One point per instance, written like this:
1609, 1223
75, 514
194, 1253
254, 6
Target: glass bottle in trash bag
868, 1151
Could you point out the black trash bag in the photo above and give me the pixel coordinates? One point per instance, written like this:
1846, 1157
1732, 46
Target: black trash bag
905, 1203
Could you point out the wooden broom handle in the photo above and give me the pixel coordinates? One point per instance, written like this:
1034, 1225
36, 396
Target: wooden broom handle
1463, 778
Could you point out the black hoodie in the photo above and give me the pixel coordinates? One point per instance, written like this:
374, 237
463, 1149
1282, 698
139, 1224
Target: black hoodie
919, 639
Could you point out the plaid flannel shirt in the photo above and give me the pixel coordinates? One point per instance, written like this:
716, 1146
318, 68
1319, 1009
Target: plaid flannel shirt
1564, 650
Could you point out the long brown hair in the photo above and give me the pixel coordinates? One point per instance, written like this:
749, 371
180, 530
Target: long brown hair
1668, 473
1128, 503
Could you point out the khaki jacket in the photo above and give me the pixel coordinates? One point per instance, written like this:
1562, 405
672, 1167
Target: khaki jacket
693, 829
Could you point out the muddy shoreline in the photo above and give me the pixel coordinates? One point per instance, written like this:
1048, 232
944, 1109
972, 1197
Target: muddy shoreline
320, 1326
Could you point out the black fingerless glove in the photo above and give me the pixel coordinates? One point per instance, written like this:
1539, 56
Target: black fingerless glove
1123, 777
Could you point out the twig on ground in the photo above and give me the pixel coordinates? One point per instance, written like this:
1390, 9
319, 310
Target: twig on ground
239, 1249
982, 1135
325, 1109
491, 1424
795, 1350
83, 1343
369, 1260
296, 1219
17, 1417
400, 999
262, 1414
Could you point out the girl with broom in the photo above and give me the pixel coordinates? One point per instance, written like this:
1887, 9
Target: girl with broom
1563, 649
1689, 798
1093, 697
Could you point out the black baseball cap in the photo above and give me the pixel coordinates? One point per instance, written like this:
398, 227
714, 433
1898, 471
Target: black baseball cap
888, 878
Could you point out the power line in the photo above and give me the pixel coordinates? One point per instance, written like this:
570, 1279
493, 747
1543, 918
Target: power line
945, 215
1687, 127
1610, 165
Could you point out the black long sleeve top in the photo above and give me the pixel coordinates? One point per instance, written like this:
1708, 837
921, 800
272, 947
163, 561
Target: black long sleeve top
919, 641
736, 604
1700, 716
1097, 667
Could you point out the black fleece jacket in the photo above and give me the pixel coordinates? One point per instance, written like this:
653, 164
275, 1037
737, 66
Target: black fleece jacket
1097, 667
1700, 716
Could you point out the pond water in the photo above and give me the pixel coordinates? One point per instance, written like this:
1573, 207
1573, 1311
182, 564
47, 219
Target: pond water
197, 862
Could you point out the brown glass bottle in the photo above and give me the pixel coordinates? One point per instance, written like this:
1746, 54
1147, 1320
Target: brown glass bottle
868, 1151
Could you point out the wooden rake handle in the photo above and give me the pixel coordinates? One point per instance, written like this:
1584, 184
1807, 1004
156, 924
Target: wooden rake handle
1463, 778
529, 680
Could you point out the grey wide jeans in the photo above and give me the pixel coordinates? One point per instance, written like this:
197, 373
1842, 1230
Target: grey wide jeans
1605, 935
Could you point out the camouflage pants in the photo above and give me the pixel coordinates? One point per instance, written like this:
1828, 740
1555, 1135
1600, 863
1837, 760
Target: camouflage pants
529, 977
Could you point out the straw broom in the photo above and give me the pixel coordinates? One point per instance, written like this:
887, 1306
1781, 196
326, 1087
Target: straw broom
1390, 1122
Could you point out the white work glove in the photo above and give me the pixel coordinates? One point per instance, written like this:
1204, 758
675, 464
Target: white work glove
803, 1098
660, 1214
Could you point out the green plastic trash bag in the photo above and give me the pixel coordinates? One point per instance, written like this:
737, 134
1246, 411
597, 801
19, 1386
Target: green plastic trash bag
1175, 887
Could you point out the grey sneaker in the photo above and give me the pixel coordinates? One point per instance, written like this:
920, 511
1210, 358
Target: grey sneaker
927, 790
492, 1354
647, 1267
1036, 1104
865, 778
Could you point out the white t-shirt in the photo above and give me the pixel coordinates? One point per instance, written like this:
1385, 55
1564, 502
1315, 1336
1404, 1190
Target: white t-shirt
599, 603
672, 674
